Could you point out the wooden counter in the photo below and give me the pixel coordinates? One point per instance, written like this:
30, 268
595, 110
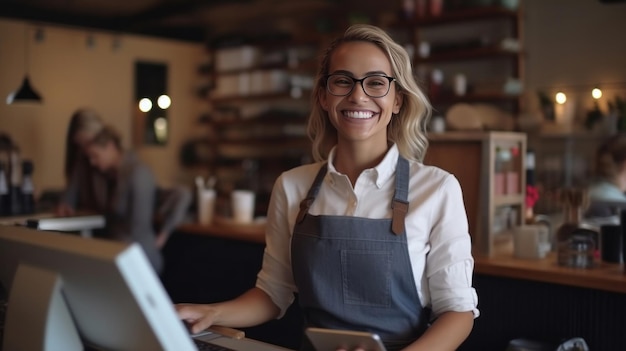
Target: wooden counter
227, 229
605, 276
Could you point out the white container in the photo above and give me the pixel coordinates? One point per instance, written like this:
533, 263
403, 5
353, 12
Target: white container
531, 241
460, 84
228, 59
242, 205
206, 205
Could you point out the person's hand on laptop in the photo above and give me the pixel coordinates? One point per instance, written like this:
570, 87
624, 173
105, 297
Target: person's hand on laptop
198, 316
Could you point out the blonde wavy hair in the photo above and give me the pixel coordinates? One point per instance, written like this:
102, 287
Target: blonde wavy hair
407, 129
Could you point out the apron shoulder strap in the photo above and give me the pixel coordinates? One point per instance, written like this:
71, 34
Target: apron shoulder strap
313, 190
400, 203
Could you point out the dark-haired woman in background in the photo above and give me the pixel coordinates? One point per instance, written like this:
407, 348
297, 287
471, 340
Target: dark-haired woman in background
130, 204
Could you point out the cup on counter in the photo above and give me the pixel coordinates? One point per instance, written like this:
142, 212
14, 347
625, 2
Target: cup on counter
611, 243
242, 205
531, 241
206, 205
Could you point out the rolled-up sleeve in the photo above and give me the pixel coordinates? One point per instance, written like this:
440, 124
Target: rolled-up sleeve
276, 277
449, 264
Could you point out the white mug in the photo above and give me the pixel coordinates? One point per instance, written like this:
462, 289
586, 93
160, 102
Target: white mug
206, 205
242, 205
531, 241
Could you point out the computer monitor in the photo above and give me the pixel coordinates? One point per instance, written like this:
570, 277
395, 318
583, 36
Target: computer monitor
67, 292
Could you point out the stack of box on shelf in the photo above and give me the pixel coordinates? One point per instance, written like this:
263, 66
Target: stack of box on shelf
466, 51
258, 111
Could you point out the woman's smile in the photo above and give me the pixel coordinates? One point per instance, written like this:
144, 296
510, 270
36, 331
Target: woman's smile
358, 114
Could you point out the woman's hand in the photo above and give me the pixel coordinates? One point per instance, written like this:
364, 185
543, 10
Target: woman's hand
64, 210
198, 316
161, 239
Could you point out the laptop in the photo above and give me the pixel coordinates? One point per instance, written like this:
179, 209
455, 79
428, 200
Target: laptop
67, 292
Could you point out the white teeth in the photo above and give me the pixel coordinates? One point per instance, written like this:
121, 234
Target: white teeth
358, 114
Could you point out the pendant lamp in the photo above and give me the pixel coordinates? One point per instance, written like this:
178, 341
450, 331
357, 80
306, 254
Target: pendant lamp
25, 93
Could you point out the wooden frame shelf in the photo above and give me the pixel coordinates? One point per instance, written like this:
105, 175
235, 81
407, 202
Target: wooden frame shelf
466, 15
504, 200
469, 54
461, 42
471, 158
478, 97
257, 97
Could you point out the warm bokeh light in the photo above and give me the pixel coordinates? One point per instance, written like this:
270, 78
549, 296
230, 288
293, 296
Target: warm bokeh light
160, 128
560, 98
145, 105
596, 93
164, 102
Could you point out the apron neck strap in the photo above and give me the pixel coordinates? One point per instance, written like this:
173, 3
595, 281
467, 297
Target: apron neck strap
310, 197
400, 203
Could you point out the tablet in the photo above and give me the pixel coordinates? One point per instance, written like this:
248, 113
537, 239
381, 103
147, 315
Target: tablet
333, 339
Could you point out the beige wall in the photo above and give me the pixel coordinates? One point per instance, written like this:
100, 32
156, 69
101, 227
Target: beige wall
569, 43
69, 75
573, 44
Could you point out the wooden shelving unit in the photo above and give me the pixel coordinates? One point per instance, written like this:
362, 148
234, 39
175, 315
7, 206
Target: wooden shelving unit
464, 15
257, 122
453, 22
471, 158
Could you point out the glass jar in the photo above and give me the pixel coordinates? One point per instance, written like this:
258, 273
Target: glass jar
574, 240
578, 250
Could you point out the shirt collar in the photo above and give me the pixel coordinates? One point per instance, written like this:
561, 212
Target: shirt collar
382, 172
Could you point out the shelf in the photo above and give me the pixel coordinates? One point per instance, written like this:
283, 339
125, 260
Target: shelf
470, 157
469, 54
468, 15
305, 65
473, 98
508, 200
263, 149
257, 97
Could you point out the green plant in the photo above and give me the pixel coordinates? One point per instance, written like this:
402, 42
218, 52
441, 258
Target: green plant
618, 108
594, 116
547, 106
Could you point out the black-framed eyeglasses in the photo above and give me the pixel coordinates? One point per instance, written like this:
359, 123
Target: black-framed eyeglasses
375, 85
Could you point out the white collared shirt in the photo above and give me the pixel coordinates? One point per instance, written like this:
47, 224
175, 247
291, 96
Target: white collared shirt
436, 225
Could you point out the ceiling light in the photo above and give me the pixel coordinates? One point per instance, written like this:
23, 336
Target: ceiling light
25, 93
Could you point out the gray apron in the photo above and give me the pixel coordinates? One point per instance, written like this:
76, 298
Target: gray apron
355, 273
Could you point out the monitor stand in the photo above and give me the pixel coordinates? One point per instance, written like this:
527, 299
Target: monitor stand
37, 316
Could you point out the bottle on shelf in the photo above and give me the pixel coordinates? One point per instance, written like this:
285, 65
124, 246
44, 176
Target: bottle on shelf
5, 209
28, 189
15, 181
501, 168
512, 172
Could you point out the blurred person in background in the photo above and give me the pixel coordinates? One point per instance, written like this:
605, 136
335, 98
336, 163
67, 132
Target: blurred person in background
132, 193
606, 192
86, 188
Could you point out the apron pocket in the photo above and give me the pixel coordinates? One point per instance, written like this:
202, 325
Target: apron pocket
366, 277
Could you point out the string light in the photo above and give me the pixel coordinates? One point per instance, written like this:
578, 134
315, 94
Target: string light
596, 93
145, 105
164, 102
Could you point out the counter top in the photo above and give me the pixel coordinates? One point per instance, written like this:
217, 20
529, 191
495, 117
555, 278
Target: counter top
227, 229
604, 276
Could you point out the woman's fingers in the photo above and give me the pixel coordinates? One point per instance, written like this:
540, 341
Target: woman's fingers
199, 317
